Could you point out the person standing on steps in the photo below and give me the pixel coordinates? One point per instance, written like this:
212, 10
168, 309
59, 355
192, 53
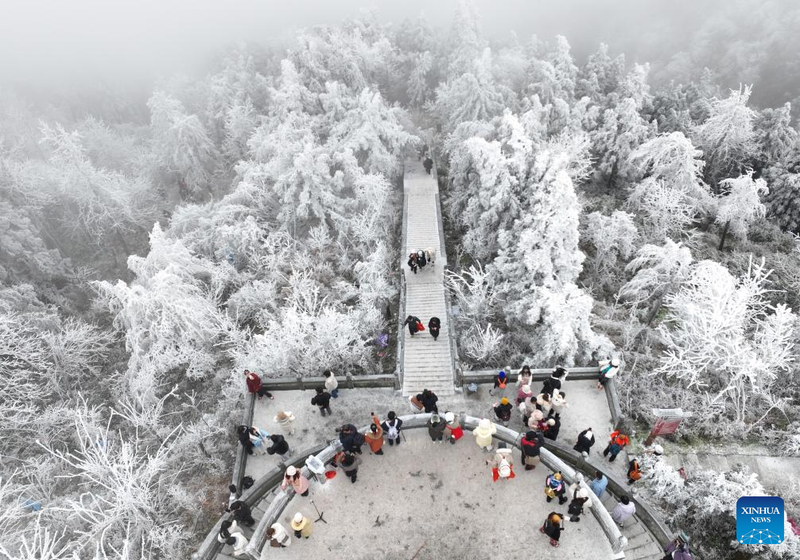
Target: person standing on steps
302, 526
427, 163
421, 259
255, 386
624, 510
530, 445
238, 542
554, 487
598, 484
226, 529
616, 443
349, 464
433, 327
391, 426
351, 439
412, 262
608, 370
580, 499
323, 400
280, 446
552, 528
414, 325
374, 437
500, 382
483, 434
436, 427
331, 385
430, 255
242, 513
294, 478
428, 400
503, 410
278, 537
285, 420
585, 442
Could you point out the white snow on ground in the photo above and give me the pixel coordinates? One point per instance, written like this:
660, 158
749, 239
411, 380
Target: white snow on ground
439, 497
588, 408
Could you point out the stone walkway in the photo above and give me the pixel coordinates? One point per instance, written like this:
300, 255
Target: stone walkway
427, 364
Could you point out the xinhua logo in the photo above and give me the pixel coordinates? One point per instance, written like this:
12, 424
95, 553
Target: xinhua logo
759, 520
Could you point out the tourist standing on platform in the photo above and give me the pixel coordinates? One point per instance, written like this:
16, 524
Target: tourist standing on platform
598, 484
428, 400
624, 510
500, 382
503, 410
242, 513
537, 422
617, 442
278, 537
552, 528
454, 430
412, 262
502, 464
351, 439
483, 434
227, 529
543, 403
436, 427
414, 325
559, 402
523, 393
323, 400
331, 385
553, 383
554, 487
374, 436
585, 442
255, 386
531, 445
525, 376
580, 499
634, 471
285, 420
433, 327
280, 446
552, 428
243, 433
427, 163
294, 478
608, 370
527, 408
391, 427
349, 464
302, 526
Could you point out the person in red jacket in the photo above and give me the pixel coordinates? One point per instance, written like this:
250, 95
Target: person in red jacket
615, 444
254, 384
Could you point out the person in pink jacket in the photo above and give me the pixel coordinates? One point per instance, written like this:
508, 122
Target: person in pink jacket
296, 480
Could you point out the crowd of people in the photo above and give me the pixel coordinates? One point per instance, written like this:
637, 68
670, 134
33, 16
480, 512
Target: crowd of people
539, 413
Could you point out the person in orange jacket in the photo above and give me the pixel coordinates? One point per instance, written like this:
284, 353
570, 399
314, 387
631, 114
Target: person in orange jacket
615, 444
374, 436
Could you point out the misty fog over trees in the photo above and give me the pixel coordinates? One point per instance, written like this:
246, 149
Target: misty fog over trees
248, 216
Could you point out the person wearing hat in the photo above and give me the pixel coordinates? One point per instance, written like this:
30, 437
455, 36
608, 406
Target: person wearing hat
503, 411
525, 376
500, 382
552, 428
391, 426
527, 408
537, 421
436, 426
502, 464
278, 536
553, 383
608, 370
374, 437
658, 450
302, 526
531, 445
580, 498
523, 393
554, 487
585, 442
434, 325
322, 399
552, 528
285, 419
294, 478
454, 429
349, 464
483, 434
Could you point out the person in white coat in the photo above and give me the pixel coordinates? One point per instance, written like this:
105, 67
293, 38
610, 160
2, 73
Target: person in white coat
624, 510
608, 370
285, 420
331, 385
580, 498
238, 542
483, 434
278, 537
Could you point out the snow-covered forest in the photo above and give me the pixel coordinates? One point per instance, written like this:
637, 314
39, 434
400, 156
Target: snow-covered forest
153, 248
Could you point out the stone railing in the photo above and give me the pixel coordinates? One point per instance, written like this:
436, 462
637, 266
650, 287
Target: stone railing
349, 381
240, 464
401, 313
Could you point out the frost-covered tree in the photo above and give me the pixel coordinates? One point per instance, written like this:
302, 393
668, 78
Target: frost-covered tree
726, 137
418, 87
601, 76
466, 40
622, 130
740, 206
725, 339
613, 239
774, 135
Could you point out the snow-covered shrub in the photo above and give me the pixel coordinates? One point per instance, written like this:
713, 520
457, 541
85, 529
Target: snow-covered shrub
613, 238
741, 205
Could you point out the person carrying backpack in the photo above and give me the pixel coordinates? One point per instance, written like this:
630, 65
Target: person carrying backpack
427, 163
608, 370
502, 464
428, 399
433, 326
634, 471
580, 499
374, 437
421, 259
391, 427
554, 487
500, 382
552, 527
503, 411
351, 439
454, 430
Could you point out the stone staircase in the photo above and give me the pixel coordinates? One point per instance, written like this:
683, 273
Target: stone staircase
258, 512
641, 544
426, 364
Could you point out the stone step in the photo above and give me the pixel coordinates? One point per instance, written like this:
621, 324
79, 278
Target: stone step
638, 540
649, 550
632, 531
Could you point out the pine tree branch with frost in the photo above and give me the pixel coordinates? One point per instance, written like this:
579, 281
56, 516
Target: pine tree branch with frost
613, 238
740, 206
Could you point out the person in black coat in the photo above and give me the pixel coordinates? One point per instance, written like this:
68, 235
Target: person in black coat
422, 260
412, 262
412, 322
243, 433
503, 411
585, 441
433, 326
553, 427
242, 513
351, 439
552, 527
391, 427
279, 446
553, 383
531, 445
428, 400
323, 400
427, 163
